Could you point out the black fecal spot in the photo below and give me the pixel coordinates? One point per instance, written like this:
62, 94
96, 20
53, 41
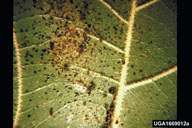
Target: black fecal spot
112, 90
115, 28
44, 50
21, 30
28, 115
150, 42
36, 50
31, 55
30, 100
140, 70
76, 94
134, 73
160, 83
89, 25
132, 66
41, 8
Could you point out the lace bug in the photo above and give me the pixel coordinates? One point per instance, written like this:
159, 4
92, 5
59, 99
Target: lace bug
51, 111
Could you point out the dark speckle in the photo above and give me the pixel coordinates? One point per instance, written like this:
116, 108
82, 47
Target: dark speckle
112, 90
21, 30
132, 66
150, 42
28, 115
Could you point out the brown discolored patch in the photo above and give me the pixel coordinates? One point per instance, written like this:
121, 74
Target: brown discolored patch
54, 117
67, 46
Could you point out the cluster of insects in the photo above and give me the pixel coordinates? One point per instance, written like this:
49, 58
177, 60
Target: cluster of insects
109, 113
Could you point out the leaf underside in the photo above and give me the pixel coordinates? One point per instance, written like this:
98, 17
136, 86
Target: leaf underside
70, 76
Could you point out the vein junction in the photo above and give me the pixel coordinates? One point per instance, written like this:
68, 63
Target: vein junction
113, 11
121, 90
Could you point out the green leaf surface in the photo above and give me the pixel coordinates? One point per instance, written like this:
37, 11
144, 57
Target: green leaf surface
151, 102
72, 60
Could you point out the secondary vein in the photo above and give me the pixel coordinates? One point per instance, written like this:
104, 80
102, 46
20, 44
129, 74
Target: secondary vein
113, 11
151, 79
146, 5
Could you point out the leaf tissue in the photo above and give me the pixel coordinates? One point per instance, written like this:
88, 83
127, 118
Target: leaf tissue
94, 63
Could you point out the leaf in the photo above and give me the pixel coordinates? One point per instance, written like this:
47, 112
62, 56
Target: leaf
94, 63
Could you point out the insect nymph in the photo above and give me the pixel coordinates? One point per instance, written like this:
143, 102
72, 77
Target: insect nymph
51, 111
